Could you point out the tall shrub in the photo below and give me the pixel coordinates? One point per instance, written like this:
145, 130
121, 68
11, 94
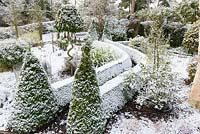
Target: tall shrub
85, 113
34, 103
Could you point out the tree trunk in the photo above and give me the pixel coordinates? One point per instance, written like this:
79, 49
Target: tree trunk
157, 4
194, 97
132, 6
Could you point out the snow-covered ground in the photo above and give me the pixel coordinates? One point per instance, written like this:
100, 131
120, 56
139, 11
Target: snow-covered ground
188, 121
8, 79
7, 86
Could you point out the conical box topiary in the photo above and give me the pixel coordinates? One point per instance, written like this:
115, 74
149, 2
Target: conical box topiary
85, 113
34, 103
107, 31
92, 32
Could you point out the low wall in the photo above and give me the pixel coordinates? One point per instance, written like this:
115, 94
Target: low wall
62, 89
112, 91
112, 88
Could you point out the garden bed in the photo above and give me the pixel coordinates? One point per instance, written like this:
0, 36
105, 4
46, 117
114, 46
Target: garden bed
183, 119
63, 94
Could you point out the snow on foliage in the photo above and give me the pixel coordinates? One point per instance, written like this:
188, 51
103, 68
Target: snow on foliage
139, 42
191, 39
118, 30
85, 114
107, 31
34, 103
11, 52
92, 32
68, 19
154, 87
113, 30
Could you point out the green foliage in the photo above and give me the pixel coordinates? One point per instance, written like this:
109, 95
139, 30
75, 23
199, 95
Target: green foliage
101, 56
63, 43
68, 19
155, 83
191, 69
185, 12
156, 14
85, 113
139, 4
11, 54
191, 39
119, 35
27, 10
92, 31
157, 44
113, 30
107, 31
140, 43
34, 103
153, 88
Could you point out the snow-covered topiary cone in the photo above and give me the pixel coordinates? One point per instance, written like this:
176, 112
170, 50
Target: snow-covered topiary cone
107, 31
34, 103
92, 31
85, 114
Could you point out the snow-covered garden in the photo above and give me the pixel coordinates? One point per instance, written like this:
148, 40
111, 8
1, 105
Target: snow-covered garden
99, 67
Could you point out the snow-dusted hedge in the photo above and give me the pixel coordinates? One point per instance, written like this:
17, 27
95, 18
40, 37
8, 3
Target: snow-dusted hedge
47, 27
34, 103
85, 113
11, 52
68, 19
174, 29
191, 39
9, 32
62, 89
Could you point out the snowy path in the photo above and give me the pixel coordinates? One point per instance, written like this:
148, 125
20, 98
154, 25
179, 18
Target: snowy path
188, 121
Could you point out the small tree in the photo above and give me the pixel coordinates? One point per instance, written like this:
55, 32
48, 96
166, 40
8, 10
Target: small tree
34, 102
85, 113
92, 31
191, 39
68, 20
107, 31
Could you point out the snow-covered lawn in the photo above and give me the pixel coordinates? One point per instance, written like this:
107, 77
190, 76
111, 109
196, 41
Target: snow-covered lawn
187, 121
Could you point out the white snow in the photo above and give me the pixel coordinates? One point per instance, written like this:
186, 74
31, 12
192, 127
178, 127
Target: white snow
188, 120
7, 86
187, 123
62, 89
56, 59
